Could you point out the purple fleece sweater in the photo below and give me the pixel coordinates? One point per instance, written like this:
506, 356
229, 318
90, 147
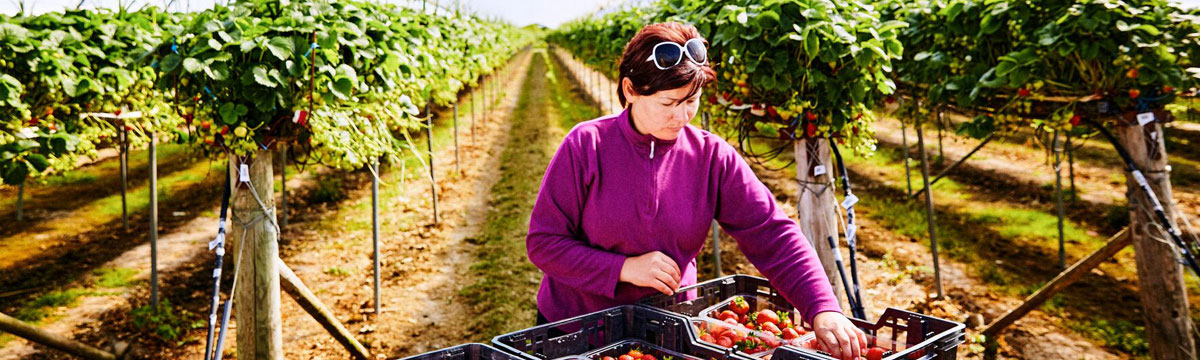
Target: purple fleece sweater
611, 193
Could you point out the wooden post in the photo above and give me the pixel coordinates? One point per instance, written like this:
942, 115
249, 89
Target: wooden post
1160, 276
1058, 199
283, 186
375, 228
20, 200
1071, 167
256, 300
907, 173
124, 155
1060, 282
29, 332
432, 176
929, 213
817, 215
309, 302
153, 223
457, 159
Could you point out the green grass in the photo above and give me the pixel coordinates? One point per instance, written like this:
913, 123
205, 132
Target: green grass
43, 306
115, 277
505, 281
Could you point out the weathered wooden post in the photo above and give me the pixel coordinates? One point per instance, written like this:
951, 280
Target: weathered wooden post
818, 218
256, 299
1160, 276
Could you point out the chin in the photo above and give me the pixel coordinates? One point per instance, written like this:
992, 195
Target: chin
669, 134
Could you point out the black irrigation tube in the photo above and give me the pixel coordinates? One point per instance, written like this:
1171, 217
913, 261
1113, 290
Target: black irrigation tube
218, 244
1158, 209
856, 306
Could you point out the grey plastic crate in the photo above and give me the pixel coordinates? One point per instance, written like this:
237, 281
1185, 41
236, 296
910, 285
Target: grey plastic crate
465, 352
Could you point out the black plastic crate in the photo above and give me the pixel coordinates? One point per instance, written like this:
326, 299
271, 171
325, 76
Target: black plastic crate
622, 348
905, 333
597, 330
465, 352
713, 292
902, 334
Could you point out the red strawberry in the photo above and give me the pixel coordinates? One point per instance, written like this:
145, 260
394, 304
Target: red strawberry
771, 328
1134, 93
1132, 73
789, 334
727, 96
648, 357
625, 357
727, 314
740, 306
855, 129
224, 129
810, 116
875, 353
117, 112
712, 99
607, 358
731, 321
810, 129
767, 316
206, 125
188, 118
1023, 92
708, 338
723, 342
1075, 120
34, 121
737, 102
890, 99
1167, 89
771, 110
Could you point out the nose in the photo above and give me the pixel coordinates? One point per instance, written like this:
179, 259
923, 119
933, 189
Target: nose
680, 115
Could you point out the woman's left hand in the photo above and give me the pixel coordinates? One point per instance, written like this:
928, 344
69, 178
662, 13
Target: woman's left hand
839, 336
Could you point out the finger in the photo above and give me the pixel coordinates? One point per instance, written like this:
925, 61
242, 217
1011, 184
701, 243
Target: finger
670, 264
663, 287
843, 343
856, 348
862, 338
830, 341
665, 278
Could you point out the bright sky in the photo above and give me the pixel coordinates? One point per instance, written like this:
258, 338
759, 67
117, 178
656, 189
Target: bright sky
550, 13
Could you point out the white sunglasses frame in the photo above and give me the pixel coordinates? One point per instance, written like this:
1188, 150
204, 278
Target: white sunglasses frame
683, 49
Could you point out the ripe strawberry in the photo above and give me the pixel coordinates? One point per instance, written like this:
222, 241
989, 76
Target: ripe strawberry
209, 140
810, 116
224, 129
196, 98
708, 338
1134, 93
789, 334
1132, 73
648, 357
712, 99
727, 314
875, 353
1075, 120
768, 316
625, 357
723, 342
727, 96
635, 353
1023, 92
740, 306
771, 328
206, 125
117, 112
607, 358
34, 121
810, 129
1167, 89
771, 110
737, 102
731, 321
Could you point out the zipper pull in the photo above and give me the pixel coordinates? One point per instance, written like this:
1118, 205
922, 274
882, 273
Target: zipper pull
651, 148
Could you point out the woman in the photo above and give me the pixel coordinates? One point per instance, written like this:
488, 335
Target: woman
627, 201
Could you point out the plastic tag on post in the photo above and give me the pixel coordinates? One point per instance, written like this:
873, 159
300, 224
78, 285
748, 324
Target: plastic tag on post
819, 170
244, 173
1145, 118
849, 201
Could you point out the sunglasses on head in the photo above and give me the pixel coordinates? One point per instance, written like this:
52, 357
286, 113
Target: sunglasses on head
667, 54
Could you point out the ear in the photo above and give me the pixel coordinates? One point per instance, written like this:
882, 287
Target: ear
627, 87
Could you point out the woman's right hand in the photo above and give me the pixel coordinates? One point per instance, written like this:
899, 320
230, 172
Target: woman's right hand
653, 270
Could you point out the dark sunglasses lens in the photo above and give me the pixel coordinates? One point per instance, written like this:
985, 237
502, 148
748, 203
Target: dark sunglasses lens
699, 53
666, 55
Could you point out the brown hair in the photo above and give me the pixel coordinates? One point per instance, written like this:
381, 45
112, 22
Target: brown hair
646, 77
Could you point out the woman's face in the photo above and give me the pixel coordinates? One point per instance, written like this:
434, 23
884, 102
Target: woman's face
664, 113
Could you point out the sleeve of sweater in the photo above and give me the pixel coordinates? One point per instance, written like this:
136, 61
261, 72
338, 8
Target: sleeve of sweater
553, 243
771, 241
